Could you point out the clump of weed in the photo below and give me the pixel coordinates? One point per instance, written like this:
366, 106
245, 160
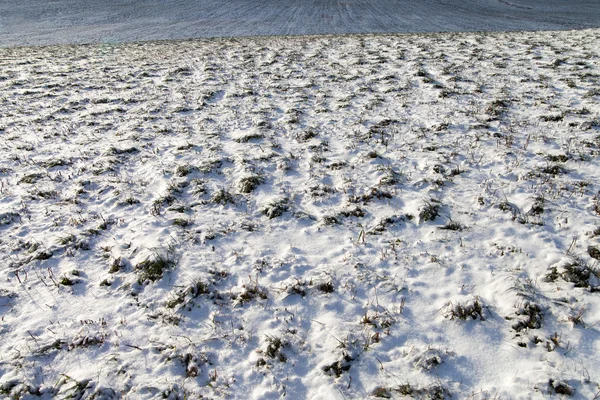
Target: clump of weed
385, 222
371, 193
317, 159
497, 107
552, 275
116, 265
210, 165
299, 286
182, 222
436, 392
371, 154
166, 317
582, 111
56, 162
577, 318
88, 340
552, 118
55, 345
433, 392
406, 389
276, 207
592, 93
218, 275
167, 199
184, 296
330, 220
43, 255
537, 208
381, 392
428, 360
452, 226
186, 146
75, 389
337, 368
248, 137
125, 150
319, 146
326, 287
472, 309
8, 218
557, 158
249, 183
390, 178
222, 197
594, 252
198, 288
377, 320
512, 208
178, 208
560, 387
274, 346
129, 201
506, 206
106, 282
174, 188
44, 194
184, 170
439, 169
198, 187
306, 135
251, 291
32, 247
552, 342
176, 300
153, 267
576, 271
72, 241
320, 190
430, 210
67, 281
181, 71
352, 212
531, 317
190, 363
337, 165
554, 170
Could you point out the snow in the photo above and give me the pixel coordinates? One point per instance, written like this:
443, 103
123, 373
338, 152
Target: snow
42, 22
314, 216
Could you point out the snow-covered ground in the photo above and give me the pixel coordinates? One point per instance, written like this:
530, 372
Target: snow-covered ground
37, 22
316, 217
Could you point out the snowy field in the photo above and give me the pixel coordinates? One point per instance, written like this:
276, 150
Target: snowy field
38, 22
311, 217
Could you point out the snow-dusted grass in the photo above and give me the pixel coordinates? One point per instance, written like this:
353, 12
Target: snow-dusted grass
316, 217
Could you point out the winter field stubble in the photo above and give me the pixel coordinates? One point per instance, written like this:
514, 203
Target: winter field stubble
309, 217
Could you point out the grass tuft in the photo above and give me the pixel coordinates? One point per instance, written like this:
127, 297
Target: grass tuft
249, 183
222, 197
594, 252
326, 287
430, 211
471, 310
153, 267
560, 387
532, 316
275, 208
